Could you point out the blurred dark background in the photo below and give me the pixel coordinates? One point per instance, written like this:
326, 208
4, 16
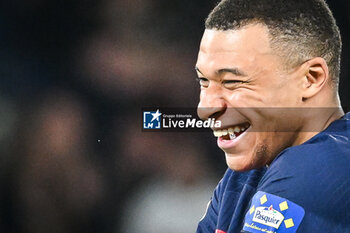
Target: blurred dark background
74, 76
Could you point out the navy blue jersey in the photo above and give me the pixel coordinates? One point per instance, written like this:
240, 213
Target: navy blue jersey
305, 189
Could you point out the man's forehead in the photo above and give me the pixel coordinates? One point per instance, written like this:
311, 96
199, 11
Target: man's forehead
245, 47
252, 36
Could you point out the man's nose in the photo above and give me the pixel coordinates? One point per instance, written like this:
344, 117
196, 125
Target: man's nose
211, 105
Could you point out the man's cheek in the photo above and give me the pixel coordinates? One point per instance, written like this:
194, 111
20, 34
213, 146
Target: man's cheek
202, 98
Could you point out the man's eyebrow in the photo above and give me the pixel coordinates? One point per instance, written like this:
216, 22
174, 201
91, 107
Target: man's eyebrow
233, 71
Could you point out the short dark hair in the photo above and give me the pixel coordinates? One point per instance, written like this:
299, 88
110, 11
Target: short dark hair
299, 29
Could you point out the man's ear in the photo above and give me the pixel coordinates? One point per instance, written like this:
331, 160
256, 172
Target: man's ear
316, 77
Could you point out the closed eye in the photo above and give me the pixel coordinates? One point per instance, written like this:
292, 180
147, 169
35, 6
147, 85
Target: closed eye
232, 83
203, 82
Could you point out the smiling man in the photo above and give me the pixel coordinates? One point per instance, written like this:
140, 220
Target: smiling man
269, 71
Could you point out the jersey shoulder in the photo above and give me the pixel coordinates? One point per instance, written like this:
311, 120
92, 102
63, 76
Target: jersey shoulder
325, 157
316, 176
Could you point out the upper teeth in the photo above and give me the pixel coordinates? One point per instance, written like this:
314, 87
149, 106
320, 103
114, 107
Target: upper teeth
231, 131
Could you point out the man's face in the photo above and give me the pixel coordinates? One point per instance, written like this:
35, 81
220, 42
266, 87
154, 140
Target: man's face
245, 84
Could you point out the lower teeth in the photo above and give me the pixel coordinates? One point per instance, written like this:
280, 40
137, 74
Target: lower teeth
232, 136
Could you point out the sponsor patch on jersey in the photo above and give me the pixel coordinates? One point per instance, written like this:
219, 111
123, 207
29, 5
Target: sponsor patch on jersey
272, 214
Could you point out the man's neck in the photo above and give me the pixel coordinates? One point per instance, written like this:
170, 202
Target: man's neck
321, 119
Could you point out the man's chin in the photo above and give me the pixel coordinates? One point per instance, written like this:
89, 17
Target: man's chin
247, 161
238, 162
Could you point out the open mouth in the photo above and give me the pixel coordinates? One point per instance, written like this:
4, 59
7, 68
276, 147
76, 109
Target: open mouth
231, 133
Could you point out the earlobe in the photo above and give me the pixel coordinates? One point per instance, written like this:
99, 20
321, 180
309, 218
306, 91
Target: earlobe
316, 77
